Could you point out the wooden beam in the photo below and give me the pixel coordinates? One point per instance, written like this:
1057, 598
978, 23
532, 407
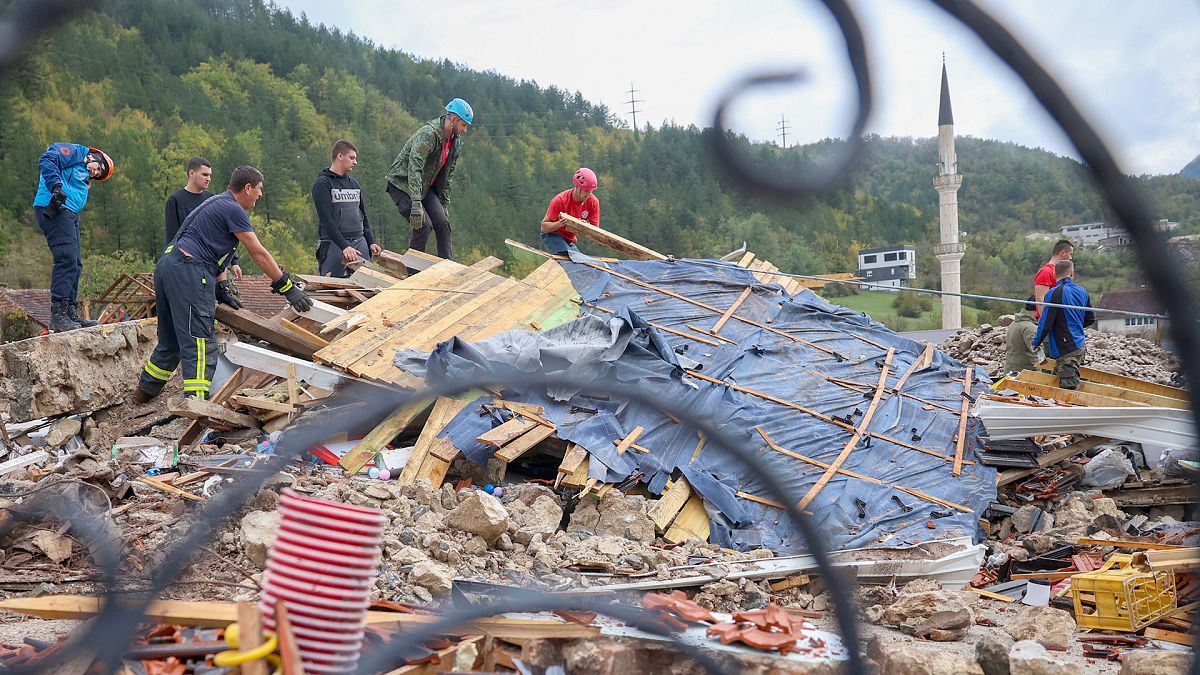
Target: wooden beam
1074, 397
1112, 379
369, 278
268, 330
664, 328
1125, 543
165, 487
506, 432
815, 462
961, 438
692, 521
262, 404
630, 249
250, 636
383, 433
574, 457
1177, 637
663, 511
854, 438
213, 413
732, 308
254, 357
629, 440
1110, 391
524, 443
444, 410
323, 312
221, 614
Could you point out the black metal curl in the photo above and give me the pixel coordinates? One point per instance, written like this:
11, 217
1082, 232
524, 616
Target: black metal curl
769, 185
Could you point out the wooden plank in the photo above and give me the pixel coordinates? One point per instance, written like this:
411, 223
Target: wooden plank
732, 308
159, 485
250, 636
383, 433
1064, 395
254, 357
433, 469
629, 439
1086, 387
579, 477
672, 501
215, 414
960, 439
221, 614
323, 312
1123, 382
268, 330
315, 282
289, 651
630, 249
1177, 637
369, 278
524, 443
815, 462
506, 432
444, 410
989, 594
262, 404
305, 334
443, 449
572, 459
487, 264
794, 581
1175, 559
664, 328
692, 521
854, 438
746, 260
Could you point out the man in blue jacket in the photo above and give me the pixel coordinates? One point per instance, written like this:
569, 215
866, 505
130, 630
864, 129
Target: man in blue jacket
66, 172
1062, 328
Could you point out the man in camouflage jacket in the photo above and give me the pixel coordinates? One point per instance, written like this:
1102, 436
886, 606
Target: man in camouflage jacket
420, 178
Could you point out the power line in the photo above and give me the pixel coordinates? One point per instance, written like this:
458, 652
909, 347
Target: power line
632, 103
783, 129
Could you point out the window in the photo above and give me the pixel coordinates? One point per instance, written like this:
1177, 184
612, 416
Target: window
888, 257
1139, 321
869, 259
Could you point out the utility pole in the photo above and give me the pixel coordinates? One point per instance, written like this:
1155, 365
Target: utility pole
632, 103
782, 129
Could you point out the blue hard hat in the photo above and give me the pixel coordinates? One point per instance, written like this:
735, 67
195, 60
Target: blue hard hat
462, 109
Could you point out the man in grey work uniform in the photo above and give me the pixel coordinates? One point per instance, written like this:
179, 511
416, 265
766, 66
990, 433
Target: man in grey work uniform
189, 281
344, 234
420, 178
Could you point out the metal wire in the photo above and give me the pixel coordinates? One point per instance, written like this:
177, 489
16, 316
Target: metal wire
931, 291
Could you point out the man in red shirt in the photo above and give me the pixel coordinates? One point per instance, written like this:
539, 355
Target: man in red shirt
1045, 279
578, 202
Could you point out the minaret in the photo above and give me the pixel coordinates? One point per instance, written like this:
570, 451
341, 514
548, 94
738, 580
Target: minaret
950, 251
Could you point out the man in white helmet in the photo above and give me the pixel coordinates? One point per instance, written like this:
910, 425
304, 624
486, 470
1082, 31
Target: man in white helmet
420, 178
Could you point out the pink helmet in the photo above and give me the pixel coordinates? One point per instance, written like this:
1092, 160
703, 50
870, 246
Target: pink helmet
585, 179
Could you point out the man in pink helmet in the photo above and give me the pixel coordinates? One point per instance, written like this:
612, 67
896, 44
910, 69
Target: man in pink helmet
579, 202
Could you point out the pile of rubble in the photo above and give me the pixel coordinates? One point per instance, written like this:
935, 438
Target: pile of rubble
1119, 354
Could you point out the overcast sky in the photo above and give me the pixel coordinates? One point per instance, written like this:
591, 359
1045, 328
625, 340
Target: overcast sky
1134, 67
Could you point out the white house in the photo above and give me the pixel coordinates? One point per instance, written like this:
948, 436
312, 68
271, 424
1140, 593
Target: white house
888, 266
1094, 234
1143, 300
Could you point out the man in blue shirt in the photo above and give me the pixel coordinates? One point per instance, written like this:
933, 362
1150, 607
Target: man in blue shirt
189, 280
1062, 328
65, 174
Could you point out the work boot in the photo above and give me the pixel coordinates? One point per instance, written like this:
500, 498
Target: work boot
140, 396
83, 323
60, 316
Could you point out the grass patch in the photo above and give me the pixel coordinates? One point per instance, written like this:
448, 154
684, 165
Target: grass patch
878, 304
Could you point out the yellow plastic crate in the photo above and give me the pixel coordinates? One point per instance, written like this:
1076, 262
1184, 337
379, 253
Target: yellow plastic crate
1126, 598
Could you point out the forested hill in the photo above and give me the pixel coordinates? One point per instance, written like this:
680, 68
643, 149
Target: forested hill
154, 82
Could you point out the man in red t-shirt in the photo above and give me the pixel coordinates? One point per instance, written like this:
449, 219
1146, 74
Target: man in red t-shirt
578, 202
1045, 279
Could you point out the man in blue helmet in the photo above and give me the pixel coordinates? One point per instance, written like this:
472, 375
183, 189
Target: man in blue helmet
420, 178
65, 174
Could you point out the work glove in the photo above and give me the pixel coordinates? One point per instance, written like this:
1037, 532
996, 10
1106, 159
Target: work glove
296, 297
57, 199
416, 217
227, 294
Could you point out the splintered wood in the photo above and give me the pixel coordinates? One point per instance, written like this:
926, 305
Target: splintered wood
446, 300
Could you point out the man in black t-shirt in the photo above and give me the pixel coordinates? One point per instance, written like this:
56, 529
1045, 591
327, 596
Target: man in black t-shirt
184, 200
189, 280
188, 197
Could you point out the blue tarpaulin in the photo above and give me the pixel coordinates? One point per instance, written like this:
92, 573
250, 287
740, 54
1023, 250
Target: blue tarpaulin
797, 349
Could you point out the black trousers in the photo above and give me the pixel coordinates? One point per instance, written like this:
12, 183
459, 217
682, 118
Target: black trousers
185, 292
62, 235
436, 221
329, 257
